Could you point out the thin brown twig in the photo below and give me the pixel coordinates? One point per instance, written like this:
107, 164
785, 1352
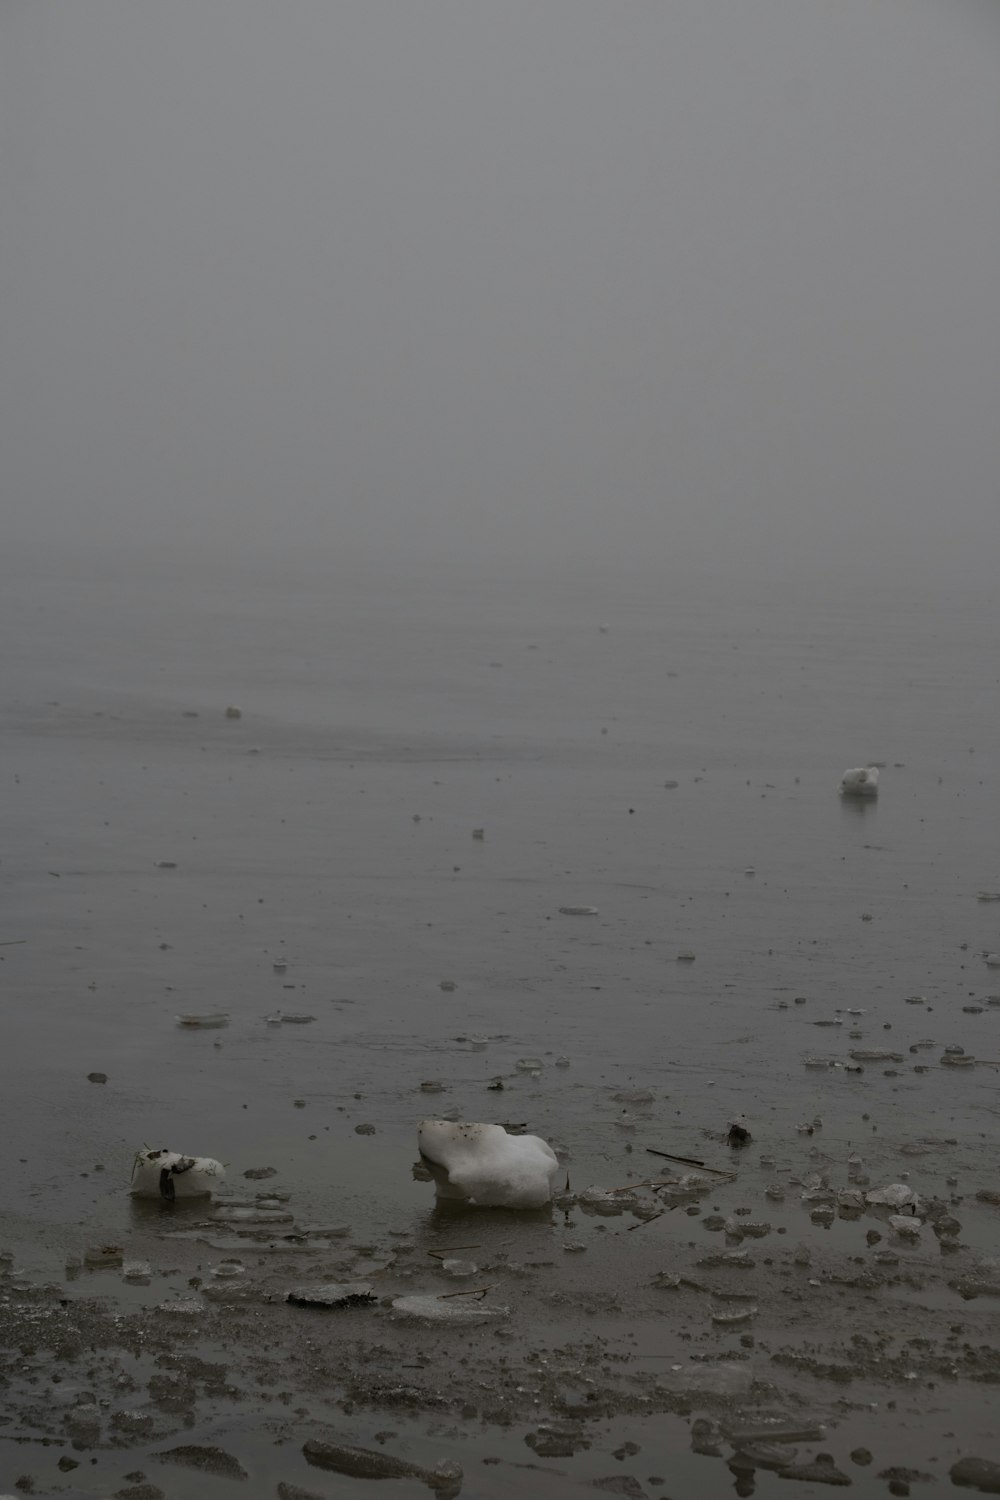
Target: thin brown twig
440, 1254
479, 1291
645, 1221
690, 1161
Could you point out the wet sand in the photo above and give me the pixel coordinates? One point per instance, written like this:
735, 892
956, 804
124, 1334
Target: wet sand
316, 857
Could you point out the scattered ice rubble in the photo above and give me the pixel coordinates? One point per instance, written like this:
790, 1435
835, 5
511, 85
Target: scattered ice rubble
505, 1163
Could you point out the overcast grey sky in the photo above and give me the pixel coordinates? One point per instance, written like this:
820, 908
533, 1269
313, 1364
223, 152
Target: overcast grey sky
702, 282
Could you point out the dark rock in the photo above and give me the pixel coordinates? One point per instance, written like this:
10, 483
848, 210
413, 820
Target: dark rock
171, 1392
140, 1492
900, 1475
559, 1439
554, 1447
212, 1460
977, 1474
333, 1294
366, 1463
822, 1470
621, 1484
293, 1492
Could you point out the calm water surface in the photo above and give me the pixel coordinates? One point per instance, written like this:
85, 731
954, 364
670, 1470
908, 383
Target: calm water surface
623, 744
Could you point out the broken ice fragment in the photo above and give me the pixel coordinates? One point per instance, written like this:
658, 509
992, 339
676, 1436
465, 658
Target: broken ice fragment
724, 1319
894, 1195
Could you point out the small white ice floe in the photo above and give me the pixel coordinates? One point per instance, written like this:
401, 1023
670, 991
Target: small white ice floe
861, 781
484, 1166
204, 1021
169, 1175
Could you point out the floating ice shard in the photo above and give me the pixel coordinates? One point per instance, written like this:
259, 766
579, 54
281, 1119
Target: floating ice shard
447, 1309
483, 1165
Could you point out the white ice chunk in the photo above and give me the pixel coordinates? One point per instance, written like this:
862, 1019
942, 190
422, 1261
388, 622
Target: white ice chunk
169, 1174
483, 1165
860, 781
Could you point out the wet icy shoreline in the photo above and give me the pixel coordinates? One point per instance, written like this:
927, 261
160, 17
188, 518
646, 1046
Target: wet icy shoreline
318, 857
735, 1329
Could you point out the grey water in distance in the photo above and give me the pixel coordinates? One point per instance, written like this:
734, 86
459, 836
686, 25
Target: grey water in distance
161, 859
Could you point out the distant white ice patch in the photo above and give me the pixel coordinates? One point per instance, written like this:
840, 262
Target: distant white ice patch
861, 781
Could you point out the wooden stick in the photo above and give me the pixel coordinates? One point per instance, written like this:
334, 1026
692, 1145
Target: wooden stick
644, 1221
690, 1161
479, 1291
